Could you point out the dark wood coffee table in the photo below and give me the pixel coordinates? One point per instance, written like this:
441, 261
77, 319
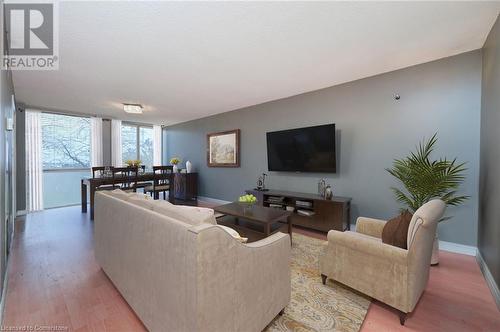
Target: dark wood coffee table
255, 215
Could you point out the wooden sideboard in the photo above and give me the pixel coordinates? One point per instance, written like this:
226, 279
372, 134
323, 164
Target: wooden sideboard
326, 214
186, 186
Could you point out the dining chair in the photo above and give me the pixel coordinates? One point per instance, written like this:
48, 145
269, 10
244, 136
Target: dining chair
125, 178
143, 184
100, 171
162, 182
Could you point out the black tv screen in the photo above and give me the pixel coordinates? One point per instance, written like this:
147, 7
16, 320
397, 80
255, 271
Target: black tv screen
310, 149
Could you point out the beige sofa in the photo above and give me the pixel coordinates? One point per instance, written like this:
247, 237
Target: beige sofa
387, 273
180, 277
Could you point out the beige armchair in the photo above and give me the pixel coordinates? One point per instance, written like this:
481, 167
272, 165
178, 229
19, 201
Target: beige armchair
387, 273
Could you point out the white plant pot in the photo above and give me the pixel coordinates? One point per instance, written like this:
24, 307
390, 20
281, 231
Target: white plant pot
175, 169
435, 251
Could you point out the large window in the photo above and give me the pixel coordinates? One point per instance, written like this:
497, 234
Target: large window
129, 143
137, 143
65, 158
65, 141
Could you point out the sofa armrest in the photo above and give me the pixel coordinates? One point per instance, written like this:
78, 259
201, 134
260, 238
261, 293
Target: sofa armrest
248, 282
370, 226
269, 240
263, 278
369, 246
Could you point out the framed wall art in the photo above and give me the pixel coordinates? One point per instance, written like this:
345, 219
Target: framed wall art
223, 149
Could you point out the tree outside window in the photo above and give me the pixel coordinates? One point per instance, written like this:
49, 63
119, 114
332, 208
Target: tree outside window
65, 158
129, 143
137, 143
65, 141
146, 145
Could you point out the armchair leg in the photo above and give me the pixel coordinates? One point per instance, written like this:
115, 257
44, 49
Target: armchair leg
323, 279
402, 317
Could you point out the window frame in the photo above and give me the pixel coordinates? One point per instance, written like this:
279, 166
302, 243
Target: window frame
138, 127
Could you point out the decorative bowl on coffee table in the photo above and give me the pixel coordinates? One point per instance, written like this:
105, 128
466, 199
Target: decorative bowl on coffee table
247, 206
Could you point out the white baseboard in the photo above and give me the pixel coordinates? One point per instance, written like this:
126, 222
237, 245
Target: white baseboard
212, 200
457, 248
489, 279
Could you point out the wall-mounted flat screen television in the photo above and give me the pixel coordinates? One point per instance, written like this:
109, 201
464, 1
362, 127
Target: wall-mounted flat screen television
310, 149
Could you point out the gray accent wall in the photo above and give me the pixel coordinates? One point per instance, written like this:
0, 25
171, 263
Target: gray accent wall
373, 128
489, 216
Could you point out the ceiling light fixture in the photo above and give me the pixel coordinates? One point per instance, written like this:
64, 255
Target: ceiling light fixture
132, 108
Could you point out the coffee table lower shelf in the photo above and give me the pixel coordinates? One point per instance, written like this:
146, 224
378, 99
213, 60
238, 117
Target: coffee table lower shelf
253, 221
254, 232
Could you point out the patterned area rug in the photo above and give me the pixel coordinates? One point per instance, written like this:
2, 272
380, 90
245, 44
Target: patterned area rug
314, 306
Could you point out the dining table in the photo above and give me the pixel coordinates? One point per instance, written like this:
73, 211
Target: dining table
92, 184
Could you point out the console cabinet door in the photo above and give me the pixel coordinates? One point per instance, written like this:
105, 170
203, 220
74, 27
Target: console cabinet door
186, 186
330, 215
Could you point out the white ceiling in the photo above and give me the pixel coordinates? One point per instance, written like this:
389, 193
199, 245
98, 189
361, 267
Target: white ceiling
186, 60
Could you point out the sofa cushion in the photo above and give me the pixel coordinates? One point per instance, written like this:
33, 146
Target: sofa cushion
141, 201
188, 214
124, 195
118, 193
138, 199
395, 231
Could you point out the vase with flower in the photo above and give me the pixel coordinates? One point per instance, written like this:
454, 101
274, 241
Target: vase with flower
174, 161
133, 163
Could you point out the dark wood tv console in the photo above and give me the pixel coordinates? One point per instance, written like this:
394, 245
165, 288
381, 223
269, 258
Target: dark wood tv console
325, 214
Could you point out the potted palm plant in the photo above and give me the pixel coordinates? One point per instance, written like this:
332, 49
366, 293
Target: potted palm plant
424, 179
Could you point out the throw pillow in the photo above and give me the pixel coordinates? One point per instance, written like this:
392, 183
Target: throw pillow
188, 214
395, 231
168, 209
198, 214
234, 234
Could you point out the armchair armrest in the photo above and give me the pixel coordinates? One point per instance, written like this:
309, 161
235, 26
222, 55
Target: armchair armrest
369, 246
370, 226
